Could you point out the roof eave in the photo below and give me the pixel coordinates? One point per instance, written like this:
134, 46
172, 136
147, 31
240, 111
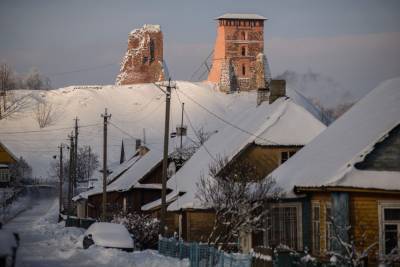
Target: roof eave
313, 189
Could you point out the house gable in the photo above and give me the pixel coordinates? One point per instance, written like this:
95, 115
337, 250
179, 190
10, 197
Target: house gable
386, 154
6, 157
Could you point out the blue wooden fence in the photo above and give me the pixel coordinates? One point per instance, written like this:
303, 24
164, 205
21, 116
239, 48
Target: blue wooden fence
201, 255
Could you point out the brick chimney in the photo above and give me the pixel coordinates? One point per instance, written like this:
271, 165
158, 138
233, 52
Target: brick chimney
277, 89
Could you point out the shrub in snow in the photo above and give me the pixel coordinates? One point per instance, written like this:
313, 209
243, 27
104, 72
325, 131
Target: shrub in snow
237, 198
143, 227
390, 259
348, 253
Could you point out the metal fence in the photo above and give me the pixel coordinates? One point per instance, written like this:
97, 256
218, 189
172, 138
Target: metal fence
202, 255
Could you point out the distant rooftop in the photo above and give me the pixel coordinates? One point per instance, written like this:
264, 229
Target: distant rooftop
241, 16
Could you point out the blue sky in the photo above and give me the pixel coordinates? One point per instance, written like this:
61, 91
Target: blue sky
354, 43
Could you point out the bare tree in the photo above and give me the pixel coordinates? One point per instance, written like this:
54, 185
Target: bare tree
10, 102
237, 198
44, 113
88, 162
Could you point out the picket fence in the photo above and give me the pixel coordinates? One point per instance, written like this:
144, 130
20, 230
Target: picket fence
201, 255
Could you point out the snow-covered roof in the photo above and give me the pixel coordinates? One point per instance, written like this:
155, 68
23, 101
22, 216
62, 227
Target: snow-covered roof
329, 159
241, 16
269, 124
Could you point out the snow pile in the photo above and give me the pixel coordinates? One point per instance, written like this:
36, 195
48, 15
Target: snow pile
49, 243
7, 212
347, 141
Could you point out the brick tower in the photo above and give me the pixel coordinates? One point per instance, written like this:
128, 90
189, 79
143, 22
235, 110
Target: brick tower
239, 62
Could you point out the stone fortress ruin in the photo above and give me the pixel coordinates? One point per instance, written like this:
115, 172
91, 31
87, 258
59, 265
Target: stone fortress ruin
238, 64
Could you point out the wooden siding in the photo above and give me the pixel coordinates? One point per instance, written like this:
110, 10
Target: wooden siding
385, 155
5, 156
135, 198
265, 158
363, 210
199, 225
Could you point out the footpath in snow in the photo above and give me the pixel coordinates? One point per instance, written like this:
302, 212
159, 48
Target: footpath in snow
44, 242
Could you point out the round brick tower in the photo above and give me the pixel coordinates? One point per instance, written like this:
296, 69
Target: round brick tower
240, 39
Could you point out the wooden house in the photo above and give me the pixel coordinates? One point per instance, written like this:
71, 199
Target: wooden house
6, 159
348, 176
266, 135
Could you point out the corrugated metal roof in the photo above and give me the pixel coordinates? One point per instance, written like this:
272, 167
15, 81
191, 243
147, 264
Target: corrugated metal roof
241, 16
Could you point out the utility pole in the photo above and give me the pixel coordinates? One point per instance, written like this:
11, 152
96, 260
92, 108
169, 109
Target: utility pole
105, 171
61, 178
76, 153
71, 174
183, 107
165, 157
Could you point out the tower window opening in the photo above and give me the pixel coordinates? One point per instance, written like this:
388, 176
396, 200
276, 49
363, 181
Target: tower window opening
243, 70
152, 47
243, 51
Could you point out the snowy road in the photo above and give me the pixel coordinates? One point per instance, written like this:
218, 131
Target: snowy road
44, 242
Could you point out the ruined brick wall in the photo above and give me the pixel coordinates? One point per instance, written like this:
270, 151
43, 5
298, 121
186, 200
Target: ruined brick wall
239, 42
143, 60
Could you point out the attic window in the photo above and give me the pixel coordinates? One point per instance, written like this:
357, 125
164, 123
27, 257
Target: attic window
152, 47
285, 155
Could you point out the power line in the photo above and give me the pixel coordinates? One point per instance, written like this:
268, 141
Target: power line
194, 130
123, 131
227, 122
48, 130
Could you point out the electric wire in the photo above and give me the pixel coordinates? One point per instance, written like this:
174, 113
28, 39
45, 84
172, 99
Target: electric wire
227, 122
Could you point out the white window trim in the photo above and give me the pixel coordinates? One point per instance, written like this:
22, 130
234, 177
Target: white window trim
326, 222
298, 207
382, 204
7, 172
313, 205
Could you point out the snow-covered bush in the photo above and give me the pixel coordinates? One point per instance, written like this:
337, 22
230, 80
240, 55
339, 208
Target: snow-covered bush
349, 252
143, 227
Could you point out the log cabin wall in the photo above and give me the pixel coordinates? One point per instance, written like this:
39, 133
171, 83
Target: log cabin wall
364, 219
265, 158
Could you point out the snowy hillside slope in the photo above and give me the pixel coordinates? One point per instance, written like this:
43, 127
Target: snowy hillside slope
133, 108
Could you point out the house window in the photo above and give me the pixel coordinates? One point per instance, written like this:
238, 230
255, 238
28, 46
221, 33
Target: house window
243, 36
284, 225
152, 48
243, 69
316, 228
285, 155
4, 175
243, 51
328, 227
389, 227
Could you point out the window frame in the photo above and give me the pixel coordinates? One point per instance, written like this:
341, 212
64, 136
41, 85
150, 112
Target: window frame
382, 205
299, 222
315, 249
328, 226
5, 175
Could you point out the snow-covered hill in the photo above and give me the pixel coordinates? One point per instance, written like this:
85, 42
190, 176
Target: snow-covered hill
133, 109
